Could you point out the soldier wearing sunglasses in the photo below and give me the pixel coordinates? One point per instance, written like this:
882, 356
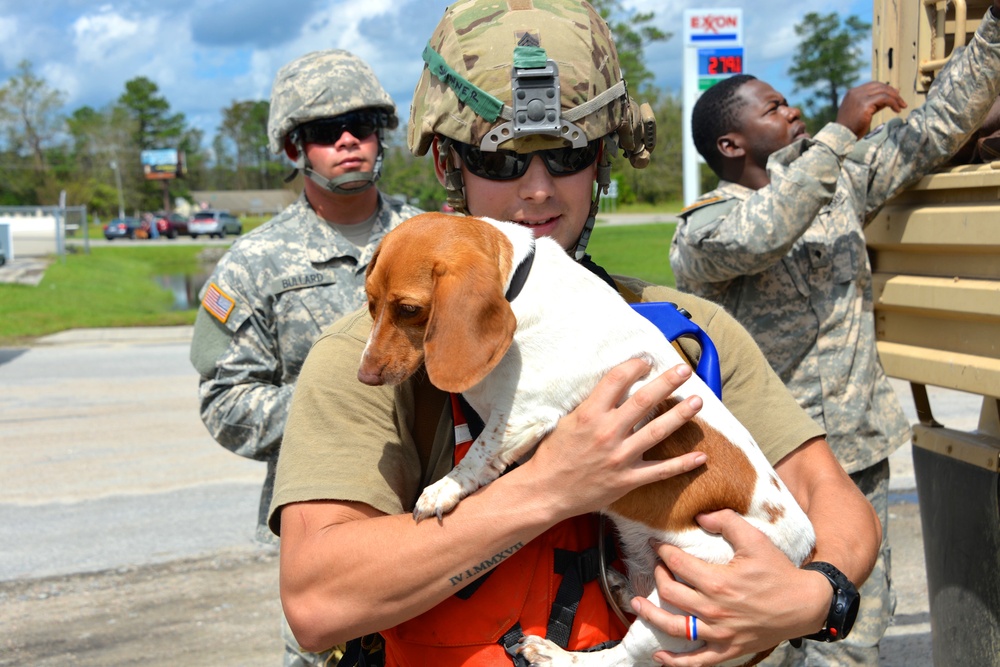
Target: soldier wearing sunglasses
279, 286
522, 105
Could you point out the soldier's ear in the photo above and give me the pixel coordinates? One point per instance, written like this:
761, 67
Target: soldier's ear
730, 145
438, 164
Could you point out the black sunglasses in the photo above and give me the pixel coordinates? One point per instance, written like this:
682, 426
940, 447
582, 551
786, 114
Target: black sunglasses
508, 165
327, 131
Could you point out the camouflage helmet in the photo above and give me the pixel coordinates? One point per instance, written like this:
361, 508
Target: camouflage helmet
323, 84
483, 49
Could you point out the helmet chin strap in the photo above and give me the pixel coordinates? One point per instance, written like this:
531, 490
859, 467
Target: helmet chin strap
368, 179
603, 181
454, 186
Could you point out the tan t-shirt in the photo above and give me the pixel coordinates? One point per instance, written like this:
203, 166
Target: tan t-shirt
381, 446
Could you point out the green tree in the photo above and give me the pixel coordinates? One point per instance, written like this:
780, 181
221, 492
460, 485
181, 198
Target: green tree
154, 127
29, 111
662, 179
632, 31
31, 124
407, 176
195, 161
101, 140
244, 131
827, 62
222, 173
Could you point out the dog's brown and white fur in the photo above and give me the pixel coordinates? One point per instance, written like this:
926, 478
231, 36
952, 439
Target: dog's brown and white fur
436, 291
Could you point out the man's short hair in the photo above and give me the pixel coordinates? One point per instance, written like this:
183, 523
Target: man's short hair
713, 115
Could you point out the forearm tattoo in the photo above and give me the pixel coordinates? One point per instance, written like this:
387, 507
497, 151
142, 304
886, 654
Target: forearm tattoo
488, 564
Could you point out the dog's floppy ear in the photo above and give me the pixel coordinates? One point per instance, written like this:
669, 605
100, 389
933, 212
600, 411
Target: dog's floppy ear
471, 325
371, 262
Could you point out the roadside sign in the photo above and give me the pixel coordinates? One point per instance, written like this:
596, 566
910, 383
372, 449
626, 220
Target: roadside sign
713, 50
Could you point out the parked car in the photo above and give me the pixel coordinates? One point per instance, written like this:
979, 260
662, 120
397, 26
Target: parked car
214, 223
171, 225
120, 228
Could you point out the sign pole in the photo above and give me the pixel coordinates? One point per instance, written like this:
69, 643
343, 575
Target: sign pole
713, 50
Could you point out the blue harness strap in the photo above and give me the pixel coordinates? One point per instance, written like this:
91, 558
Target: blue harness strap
674, 323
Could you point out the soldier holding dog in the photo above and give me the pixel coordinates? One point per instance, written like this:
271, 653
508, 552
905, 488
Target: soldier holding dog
355, 457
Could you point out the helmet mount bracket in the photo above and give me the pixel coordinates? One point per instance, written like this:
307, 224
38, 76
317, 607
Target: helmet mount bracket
536, 109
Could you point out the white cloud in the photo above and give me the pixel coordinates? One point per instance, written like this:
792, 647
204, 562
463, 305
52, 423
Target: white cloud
104, 36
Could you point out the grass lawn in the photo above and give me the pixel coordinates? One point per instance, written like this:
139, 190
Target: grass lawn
116, 286
639, 251
110, 287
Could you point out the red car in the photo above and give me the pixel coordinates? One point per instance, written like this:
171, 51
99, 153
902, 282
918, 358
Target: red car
171, 225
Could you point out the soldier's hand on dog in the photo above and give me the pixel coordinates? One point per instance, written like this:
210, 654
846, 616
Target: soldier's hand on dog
594, 451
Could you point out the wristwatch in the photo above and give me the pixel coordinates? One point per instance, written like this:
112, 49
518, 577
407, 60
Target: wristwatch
843, 607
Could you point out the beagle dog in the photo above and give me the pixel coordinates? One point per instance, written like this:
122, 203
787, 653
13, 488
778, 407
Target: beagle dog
525, 333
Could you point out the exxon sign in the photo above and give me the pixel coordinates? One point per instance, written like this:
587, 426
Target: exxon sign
713, 27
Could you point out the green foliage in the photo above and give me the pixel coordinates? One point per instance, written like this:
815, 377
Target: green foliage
242, 142
101, 142
154, 127
663, 179
827, 63
404, 175
31, 125
28, 114
632, 30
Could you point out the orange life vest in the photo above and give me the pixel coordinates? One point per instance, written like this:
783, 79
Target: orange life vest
532, 591
548, 587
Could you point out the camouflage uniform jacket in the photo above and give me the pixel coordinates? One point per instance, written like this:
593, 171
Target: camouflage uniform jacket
789, 260
288, 280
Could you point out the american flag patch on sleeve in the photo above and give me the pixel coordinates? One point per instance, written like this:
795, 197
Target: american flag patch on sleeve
218, 302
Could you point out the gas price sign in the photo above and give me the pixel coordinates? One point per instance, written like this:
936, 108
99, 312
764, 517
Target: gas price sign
715, 64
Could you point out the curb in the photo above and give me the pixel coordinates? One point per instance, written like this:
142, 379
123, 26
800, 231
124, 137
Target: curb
119, 335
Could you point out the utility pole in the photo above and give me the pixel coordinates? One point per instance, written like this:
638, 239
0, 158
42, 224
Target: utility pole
118, 182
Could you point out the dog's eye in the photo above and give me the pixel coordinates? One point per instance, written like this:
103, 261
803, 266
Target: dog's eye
406, 310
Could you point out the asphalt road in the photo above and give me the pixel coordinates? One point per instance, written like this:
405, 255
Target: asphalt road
127, 532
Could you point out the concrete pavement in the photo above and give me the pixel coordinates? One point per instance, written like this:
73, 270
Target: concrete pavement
24, 271
105, 460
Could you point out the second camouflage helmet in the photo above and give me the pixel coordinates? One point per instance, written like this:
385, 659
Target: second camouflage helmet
323, 84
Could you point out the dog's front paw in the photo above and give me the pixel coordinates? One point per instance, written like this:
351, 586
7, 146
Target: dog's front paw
438, 499
541, 652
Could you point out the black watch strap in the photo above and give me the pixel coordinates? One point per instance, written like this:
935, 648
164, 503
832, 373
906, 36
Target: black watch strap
843, 607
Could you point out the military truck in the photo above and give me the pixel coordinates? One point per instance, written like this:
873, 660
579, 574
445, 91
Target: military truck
935, 253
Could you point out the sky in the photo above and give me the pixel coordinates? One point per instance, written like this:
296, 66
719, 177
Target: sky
205, 54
